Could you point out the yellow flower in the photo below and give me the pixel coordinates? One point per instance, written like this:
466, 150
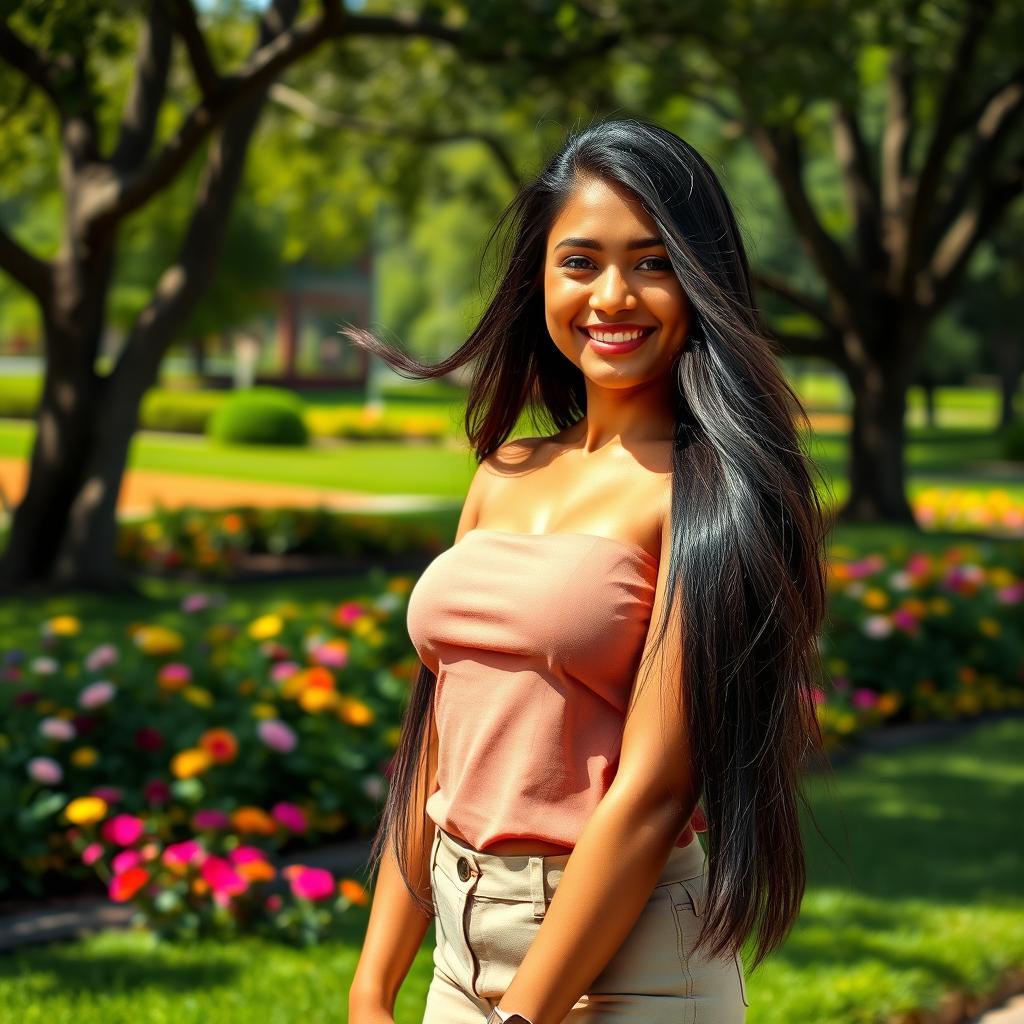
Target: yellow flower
313, 699
375, 638
393, 736
152, 530
400, 585
86, 810
990, 627
846, 722
262, 710
64, 625
363, 625
158, 640
197, 695
84, 757
266, 627
876, 599
189, 763
355, 712
1000, 576
837, 666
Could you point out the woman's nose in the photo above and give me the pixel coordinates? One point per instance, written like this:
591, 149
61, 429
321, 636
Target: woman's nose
611, 290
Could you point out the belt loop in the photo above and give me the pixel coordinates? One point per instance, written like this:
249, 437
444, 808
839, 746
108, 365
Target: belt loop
537, 886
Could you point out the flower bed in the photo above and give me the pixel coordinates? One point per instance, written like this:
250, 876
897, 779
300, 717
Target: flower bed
173, 759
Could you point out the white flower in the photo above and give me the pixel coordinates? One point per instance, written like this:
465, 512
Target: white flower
877, 626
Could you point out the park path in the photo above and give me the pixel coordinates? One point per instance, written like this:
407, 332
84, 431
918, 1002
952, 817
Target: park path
143, 489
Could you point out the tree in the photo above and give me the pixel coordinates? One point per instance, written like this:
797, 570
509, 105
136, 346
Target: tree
64, 529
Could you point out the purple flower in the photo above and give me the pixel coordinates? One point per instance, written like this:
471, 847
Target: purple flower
210, 818
864, 698
277, 735
291, 816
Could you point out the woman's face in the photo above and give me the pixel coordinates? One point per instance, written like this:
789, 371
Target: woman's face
606, 272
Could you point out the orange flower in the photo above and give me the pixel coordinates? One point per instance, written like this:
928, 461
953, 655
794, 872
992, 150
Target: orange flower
125, 885
190, 763
353, 891
232, 523
314, 699
220, 744
319, 678
256, 871
254, 821
355, 712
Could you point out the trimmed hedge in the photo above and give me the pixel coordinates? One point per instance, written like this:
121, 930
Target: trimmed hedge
260, 416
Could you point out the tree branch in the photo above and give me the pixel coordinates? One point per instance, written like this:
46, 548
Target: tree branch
784, 289
978, 14
186, 23
32, 273
37, 68
938, 281
307, 108
152, 63
823, 346
859, 180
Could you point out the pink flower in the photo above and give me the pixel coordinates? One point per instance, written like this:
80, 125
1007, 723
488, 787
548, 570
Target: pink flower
122, 829
45, 771
56, 729
189, 851
92, 853
283, 669
274, 902
817, 695
175, 672
195, 602
1012, 594
95, 695
864, 698
331, 655
310, 883
157, 792
903, 618
111, 794
101, 657
245, 854
219, 874
347, 612
210, 818
292, 817
124, 860
277, 735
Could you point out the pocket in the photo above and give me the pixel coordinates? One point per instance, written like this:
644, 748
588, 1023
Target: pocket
453, 903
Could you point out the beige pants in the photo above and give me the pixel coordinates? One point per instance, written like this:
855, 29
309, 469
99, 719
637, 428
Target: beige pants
488, 909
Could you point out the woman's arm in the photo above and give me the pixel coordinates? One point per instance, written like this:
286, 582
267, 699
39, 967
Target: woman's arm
397, 925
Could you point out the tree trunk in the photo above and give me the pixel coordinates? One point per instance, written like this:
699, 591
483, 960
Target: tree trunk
1009, 359
876, 465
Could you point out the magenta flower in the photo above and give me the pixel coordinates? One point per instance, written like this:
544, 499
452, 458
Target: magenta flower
292, 817
45, 771
188, 851
148, 739
95, 695
348, 612
274, 902
219, 874
157, 792
210, 818
245, 854
277, 735
92, 853
122, 829
905, 619
1012, 594
124, 860
310, 883
110, 794
175, 672
864, 698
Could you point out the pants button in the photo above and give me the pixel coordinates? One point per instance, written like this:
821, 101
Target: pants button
463, 868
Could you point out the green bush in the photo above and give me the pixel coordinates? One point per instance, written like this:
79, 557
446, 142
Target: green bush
260, 416
186, 412
1013, 442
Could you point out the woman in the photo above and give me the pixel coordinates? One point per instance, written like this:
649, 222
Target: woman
542, 799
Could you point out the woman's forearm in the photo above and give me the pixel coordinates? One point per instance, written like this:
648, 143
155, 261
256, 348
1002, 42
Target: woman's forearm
397, 925
393, 936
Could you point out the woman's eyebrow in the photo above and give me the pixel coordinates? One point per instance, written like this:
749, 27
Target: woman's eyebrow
592, 243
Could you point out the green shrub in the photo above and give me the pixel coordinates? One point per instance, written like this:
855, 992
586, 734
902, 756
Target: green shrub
185, 412
1013, 442
19, 397
260, 416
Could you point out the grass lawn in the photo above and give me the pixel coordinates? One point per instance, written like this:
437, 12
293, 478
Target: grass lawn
921, 894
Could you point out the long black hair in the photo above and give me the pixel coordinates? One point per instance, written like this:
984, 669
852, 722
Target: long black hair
747, 572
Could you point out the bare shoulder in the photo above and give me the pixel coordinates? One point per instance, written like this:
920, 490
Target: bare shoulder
513, 454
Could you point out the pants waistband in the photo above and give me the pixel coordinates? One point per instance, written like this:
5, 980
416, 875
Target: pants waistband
528, 877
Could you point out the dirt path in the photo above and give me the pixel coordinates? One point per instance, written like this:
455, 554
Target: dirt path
142, 489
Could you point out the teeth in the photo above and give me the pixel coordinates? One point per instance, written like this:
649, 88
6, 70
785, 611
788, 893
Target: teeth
613, 336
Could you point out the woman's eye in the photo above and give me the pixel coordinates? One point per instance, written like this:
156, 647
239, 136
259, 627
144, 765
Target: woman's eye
664, 264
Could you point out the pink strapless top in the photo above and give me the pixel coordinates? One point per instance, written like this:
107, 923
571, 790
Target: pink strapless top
535, 640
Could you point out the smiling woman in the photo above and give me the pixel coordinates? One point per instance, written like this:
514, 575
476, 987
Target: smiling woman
620, 649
